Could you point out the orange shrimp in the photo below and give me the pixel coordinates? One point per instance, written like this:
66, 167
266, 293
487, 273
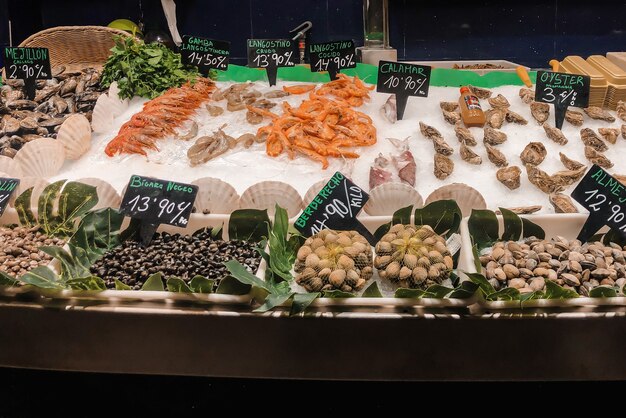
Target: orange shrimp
299, 89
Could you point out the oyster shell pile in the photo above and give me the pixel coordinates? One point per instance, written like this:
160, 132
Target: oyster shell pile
413, 256
591, 139
569, 163
574, 117
562, 203
495, 117
332, 260
25, 120
527, 95
609, 134
493, 136
598, 158
468, 155
527, 265
496, 156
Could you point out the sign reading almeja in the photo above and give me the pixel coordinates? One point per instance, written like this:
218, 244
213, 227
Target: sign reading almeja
336, 207
403, 80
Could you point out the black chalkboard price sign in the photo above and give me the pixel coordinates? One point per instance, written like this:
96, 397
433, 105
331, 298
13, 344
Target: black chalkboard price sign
605, 199
7, 188
29, 64
403, 80
271, 54
336, 207
155, 202
562, 90
206, 54
332, 57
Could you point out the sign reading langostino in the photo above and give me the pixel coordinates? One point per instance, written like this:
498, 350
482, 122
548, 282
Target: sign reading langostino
332, 57
270, 54
562, 90
336, 207
605, 199
205, 53
403, 80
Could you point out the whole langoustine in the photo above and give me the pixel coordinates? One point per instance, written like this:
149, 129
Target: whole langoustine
159, 117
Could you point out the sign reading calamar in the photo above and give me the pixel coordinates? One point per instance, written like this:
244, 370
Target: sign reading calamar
7, 188
29, 64
336, 207
403, 80
271, 54
605, 199
332, 57
155, 202
206, 54
562, 90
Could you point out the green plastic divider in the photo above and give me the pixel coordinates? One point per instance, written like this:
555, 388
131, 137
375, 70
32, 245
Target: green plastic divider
440, 77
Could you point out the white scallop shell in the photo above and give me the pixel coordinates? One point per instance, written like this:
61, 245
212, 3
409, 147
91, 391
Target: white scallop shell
215, 196
102, 116
10, 167
465, 196
75, 135
108, 197
267, 194
387, 198
42, 157
37, 184
313, 191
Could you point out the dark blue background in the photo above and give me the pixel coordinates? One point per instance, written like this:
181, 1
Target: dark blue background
530, 32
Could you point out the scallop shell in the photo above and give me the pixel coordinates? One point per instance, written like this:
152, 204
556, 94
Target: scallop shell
267, 194
75, 135
102, 116
465, 196
42, 157
10, 167
37, 184
108, 197
215, 196
313, 191
389, 197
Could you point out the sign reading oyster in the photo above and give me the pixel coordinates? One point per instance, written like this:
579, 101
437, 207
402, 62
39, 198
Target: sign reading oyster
403, 80
336, 207
562, 90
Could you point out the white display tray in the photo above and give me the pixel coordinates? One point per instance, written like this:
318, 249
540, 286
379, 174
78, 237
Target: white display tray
566, 225
509, 66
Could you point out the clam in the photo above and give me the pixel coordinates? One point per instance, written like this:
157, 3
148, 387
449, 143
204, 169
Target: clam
215, 196
389, 197
268, 194
465, 196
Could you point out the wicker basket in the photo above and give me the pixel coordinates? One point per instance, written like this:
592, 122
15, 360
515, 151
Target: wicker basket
76, 47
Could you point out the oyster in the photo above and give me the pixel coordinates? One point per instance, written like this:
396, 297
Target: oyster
569, 163
573, 117
480, 92
509, 176
513, 117
540, 111
595, 112
379, 173
542, 180
609, 134
527, 95
442, 147
443, 166
499, 102
389, 110
591, 139
568, 177
470, 156
554, 134
534, 153
429, 131
495, 117
451, 117
493, 136
449, 106
621, 110
597, 158
496, 156
523, 210
562, 203
464, 135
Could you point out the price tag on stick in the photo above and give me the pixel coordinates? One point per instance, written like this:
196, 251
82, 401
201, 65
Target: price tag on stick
336, 207
403, 80
29, 64
155, 202
206, 54
562, 90
271, 54
332, 57
7, 188
605, 199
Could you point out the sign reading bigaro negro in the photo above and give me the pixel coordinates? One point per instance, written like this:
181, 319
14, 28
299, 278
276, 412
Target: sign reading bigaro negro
336, 207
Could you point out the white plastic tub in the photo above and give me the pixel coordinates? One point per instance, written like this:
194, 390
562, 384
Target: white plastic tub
509, 66
565, 225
